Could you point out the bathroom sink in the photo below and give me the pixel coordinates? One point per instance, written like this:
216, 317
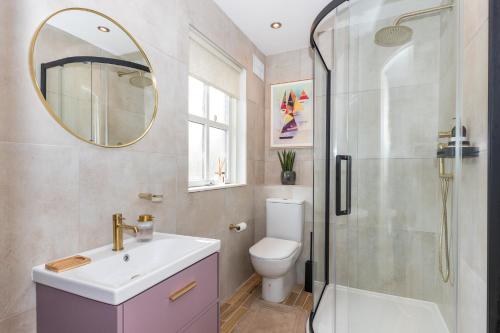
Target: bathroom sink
114, 277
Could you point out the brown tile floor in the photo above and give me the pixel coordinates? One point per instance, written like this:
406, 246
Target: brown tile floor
238, 304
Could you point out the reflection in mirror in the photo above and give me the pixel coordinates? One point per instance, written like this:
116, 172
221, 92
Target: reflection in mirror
95, 79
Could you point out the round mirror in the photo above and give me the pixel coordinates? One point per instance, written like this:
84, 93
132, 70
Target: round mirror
93, 77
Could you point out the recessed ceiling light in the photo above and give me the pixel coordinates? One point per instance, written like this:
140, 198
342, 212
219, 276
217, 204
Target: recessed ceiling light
276, 25
103, 28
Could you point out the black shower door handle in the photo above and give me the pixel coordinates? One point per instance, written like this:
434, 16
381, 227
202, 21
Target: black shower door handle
338, 185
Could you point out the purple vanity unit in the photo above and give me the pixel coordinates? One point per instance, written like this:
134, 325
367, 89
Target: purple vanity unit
186, 301
195, 310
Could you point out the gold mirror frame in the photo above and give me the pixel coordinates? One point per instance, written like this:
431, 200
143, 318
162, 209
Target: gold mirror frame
47, 105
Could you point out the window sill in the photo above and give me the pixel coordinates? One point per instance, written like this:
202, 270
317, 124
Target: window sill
213, 187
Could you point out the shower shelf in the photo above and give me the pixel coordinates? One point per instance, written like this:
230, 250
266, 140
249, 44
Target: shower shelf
467, 152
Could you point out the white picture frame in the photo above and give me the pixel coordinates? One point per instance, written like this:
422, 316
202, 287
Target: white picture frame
291, 113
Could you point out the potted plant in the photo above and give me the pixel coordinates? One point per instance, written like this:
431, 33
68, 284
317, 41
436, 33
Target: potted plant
287, 159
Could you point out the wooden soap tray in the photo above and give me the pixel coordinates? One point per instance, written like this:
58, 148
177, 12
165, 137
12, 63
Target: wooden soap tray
65, 264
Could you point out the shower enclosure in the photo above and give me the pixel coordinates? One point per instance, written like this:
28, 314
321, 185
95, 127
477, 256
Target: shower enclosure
387, 152
87, 95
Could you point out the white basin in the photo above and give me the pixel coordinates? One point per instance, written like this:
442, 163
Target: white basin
114, 277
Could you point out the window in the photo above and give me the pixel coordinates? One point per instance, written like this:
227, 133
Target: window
210, 134
217, 117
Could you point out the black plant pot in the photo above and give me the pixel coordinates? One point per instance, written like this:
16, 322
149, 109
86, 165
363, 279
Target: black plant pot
288, 177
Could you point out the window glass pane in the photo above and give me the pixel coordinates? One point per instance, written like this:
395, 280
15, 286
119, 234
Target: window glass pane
218, 159
196, 97
195, 152
217, 105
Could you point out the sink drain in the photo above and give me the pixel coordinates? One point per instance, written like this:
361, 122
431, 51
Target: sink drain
126, 258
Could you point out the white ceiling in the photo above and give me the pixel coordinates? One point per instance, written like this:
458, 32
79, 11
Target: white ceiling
84, 25
254, 17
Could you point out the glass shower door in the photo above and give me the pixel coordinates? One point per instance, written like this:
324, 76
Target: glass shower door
69, 92
393, 248
321, 203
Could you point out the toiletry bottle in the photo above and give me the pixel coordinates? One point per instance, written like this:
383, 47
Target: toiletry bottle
145, 226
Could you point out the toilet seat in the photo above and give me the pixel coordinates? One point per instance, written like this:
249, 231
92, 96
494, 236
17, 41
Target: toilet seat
270, 248
274, 259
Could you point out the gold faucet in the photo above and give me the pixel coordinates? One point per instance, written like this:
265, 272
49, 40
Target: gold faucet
118, 227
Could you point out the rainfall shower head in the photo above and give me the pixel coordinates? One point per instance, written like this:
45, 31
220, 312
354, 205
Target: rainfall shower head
140, 81
397, 34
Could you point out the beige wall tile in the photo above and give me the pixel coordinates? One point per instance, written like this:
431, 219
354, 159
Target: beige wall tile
399, 194
201, 213
235, 265
58, 194
405, 127
476, 13
110, 181
41, 219
472, 296
255, 87
239, 204
472, 213
272, 173
259, 172
475, 112
472, 219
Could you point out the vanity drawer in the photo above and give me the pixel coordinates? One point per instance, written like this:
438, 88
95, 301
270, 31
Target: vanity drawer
206, 323
172, 304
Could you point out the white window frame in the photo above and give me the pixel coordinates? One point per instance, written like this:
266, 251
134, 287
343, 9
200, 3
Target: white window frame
230, 127
236, 145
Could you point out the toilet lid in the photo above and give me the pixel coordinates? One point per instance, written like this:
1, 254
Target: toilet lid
273, 248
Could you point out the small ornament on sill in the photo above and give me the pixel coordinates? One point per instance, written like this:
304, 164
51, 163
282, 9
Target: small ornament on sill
219, 171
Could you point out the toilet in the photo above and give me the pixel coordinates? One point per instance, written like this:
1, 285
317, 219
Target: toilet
274, 256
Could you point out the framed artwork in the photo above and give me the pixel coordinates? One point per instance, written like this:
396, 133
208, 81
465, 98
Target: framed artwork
292, 114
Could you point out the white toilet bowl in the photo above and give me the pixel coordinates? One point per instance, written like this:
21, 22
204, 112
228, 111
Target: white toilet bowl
274, 259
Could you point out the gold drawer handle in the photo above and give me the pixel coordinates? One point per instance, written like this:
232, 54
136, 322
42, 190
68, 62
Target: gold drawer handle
181, 292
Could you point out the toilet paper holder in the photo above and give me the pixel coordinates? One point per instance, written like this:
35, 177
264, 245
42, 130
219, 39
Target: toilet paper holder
238, 227
233, 226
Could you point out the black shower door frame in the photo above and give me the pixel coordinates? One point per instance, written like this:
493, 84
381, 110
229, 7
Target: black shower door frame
493, 285
327, 10
84, 59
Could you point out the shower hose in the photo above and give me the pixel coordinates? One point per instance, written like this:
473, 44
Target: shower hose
444, 268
